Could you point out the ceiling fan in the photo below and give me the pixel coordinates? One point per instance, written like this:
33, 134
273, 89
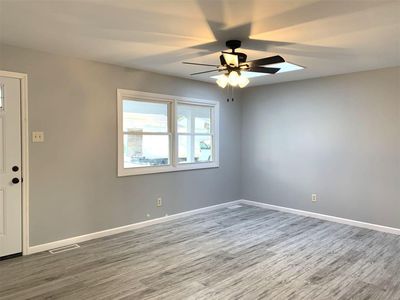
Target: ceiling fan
233, 63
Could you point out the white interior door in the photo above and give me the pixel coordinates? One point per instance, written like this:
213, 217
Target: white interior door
10, 167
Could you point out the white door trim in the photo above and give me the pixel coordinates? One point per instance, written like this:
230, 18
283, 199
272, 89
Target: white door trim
25, 155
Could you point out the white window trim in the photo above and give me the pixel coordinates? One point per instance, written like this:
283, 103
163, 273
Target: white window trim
174, 165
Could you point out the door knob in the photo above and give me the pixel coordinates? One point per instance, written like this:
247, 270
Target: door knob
15, 169
15, 180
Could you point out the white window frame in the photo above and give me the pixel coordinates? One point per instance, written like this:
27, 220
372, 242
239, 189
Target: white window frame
123, 94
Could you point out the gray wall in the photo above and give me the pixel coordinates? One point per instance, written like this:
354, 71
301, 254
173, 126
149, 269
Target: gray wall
337, 136
74, 186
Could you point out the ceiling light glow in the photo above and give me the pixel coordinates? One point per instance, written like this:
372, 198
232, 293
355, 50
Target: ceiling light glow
243, 81
233, 78
222, 81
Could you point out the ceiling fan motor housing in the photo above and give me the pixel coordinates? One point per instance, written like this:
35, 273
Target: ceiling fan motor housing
233, 44
242, 57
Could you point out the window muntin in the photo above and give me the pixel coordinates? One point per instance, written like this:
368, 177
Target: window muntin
159, 133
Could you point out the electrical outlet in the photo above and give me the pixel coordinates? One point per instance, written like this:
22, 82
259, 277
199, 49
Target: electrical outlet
37, 137
159, 202
148, 215
314, 197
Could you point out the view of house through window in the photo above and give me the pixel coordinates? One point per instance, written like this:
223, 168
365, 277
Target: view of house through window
158, 133
146, 133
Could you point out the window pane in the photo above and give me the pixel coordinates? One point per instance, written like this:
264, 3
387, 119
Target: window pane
145, 150
203, 148
193, 119
194, 148
183, 123
184, 149
141, 116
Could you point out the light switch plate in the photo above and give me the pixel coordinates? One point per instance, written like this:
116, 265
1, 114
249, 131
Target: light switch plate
37, 136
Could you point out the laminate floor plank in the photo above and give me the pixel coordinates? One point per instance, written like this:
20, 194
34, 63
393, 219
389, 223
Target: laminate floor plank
238, 252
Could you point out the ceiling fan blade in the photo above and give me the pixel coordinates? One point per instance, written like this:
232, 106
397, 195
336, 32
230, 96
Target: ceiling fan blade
263, 70
222, 60
199, 64
231, 59
209, 71
266, 61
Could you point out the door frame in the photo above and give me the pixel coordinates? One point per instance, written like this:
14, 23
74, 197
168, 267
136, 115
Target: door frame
25, 155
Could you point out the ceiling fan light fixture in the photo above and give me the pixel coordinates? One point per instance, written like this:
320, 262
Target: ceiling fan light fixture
233, 78
243, 81
238, 70
222, 81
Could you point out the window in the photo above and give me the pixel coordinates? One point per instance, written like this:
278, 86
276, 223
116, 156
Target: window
160, 133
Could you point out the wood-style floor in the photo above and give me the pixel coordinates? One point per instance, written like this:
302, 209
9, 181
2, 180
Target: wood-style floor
241, 252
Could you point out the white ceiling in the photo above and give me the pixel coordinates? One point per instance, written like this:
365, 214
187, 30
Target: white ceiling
326, 36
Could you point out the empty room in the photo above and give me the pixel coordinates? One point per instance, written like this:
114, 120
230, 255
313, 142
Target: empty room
200, 149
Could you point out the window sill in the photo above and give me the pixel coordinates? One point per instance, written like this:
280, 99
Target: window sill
166, 169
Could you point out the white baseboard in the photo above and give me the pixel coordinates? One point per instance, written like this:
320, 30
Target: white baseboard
103, 233
324, 217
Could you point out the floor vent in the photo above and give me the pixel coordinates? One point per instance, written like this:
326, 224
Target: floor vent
65, 248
